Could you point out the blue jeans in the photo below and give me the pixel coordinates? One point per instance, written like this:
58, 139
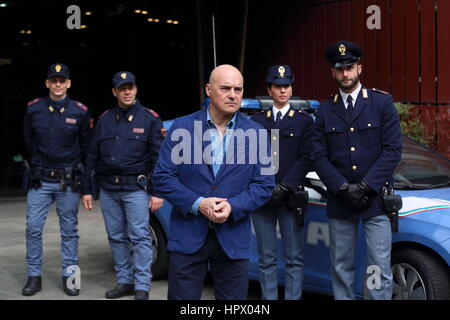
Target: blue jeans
127, 218
38, 205
264, 222
343, 238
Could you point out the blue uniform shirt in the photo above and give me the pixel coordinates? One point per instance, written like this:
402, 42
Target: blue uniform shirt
125, 143
218, 148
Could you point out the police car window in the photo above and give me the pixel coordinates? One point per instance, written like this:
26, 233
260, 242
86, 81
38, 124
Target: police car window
421, 168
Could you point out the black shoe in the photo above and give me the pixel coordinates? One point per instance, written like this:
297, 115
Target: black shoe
141, 295
34, 284
69, 292
121, 290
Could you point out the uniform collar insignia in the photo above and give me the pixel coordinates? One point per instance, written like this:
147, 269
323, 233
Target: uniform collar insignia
336, 98
291, 113
269, 114
365, 94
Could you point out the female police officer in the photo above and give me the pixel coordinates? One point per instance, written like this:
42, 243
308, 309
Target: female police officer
295, 141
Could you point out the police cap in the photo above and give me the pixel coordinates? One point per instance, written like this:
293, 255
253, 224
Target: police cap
122, 77
281, 75
58, 70
343, 53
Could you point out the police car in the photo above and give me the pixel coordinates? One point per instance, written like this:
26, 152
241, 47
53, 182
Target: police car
421, 247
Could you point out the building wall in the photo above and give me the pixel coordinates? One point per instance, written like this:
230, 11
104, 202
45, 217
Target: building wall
408, 56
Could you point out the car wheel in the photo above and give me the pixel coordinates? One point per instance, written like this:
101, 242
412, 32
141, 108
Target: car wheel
419, 276
160, 263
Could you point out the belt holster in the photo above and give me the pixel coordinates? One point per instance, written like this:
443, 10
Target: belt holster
298, 202
391, 204
36, 175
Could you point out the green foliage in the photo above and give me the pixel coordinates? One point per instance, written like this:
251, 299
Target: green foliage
411, 126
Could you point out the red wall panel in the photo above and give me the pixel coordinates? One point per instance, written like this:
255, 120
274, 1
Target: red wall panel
384, 47
358, 23
428, 51
397, 49
345, 21
406, 49
444, 51
370, 46
333, 21
412, 51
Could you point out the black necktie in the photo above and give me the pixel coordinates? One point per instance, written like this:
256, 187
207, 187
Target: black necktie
350, 107
278, 120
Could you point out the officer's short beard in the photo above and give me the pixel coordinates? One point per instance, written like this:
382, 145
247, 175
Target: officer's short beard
348, 87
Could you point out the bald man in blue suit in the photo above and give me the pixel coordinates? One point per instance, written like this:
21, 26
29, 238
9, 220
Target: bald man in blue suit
212, 200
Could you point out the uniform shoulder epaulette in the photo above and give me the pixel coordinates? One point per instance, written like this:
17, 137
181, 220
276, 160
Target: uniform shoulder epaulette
334, 98
81, 106
105, 113
32, 102
152, 112
379, 91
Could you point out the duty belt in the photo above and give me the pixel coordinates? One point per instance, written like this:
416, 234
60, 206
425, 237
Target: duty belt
120, 180
53, 173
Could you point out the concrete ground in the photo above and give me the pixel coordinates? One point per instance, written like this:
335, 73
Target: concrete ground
97, 273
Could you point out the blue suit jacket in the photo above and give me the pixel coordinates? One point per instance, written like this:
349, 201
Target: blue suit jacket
367, 146
182, 184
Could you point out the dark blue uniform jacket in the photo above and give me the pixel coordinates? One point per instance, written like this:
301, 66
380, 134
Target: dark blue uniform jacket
367, 146
125, 144
295, 145
56, 133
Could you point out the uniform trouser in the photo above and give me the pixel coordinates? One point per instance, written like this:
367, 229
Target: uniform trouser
38, 205
187, 273
127, 218
343, 238
265, 222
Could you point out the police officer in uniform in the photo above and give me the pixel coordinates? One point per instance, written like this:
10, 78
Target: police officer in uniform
56, 131
295, 143
122, 155
357, 147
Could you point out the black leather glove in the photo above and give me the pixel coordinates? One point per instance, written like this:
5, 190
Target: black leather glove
356, 195
280, 193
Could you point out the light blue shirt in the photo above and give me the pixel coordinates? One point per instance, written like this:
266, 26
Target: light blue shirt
218, 149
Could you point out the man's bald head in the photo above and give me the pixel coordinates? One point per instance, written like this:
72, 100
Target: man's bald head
225, 89
224, 70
